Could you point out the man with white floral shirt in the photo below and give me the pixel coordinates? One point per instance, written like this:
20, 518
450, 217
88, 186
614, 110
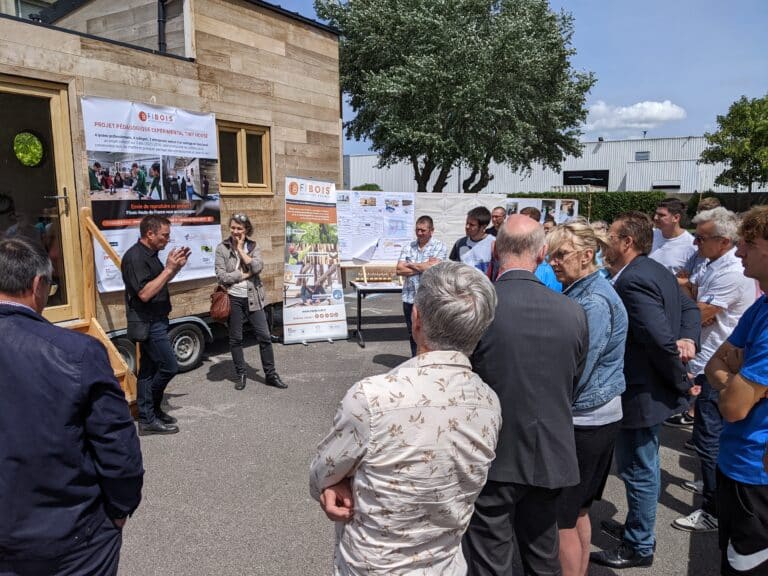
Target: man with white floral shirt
415, 258
410, 450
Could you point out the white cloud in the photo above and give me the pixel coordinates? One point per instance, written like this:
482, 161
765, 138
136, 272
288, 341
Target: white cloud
640, 116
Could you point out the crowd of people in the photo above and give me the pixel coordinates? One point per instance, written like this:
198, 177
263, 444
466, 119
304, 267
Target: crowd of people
476, 455
649, 325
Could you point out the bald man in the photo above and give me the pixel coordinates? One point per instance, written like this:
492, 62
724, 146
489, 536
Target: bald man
536, 453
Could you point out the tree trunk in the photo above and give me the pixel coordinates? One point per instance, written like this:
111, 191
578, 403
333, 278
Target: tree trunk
442, 178
483, 176
467, 182
422, 174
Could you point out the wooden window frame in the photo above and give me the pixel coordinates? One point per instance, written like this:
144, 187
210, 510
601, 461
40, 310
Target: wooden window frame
242, 187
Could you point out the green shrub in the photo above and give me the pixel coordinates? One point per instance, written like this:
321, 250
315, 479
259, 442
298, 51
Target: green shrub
368, 188
605, 205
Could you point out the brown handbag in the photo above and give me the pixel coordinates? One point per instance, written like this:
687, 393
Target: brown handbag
220, 305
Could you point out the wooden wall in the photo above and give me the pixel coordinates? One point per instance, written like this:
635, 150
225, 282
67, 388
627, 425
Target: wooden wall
253, 66
131, 21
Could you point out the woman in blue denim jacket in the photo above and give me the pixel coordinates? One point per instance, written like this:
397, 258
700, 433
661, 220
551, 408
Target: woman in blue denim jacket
597, 398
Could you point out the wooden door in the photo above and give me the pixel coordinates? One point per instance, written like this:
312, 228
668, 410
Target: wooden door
37, 191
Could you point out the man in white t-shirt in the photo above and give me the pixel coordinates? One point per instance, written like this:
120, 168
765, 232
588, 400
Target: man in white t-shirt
672, 245
722, 294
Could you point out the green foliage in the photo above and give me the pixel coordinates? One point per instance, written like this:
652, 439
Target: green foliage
28, 149
741, 141
606, 205
442, 83
368, 187
313, 233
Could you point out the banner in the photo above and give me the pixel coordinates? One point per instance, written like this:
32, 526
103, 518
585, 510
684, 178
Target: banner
374, 226
145, 159
313, 308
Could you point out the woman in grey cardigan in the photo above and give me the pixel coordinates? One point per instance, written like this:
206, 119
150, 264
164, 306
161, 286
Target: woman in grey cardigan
238, 265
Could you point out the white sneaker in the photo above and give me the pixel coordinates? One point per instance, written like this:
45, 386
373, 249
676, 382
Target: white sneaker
698, 521
697, 487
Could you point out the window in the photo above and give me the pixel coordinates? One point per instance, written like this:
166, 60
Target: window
244, 159
643, 156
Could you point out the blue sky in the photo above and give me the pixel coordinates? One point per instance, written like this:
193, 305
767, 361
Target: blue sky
665, 66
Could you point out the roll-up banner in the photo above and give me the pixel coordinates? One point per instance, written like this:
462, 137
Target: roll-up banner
145, 159
313, 308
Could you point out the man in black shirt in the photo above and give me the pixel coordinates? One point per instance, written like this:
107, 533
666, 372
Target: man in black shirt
148, 304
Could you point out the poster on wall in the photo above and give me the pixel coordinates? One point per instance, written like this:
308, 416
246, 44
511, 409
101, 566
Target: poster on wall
313, 306
145, 159
374, 226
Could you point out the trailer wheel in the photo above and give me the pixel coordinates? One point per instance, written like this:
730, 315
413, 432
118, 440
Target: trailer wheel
127, 349
188, 343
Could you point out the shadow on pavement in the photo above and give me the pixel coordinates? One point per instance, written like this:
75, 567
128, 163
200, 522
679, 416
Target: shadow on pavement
389, 360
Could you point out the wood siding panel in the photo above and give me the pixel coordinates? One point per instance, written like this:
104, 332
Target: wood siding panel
132, 21
252, 66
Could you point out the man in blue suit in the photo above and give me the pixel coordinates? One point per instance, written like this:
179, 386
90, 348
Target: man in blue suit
70, 463
664, 331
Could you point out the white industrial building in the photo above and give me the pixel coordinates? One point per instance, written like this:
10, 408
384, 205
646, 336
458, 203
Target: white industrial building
668, 164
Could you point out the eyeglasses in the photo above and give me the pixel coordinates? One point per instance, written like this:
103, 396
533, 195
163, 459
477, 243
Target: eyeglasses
700, 238
240, 217
561, 255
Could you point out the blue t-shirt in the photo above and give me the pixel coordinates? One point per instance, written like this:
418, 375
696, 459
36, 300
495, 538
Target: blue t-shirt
547, 276
743, 444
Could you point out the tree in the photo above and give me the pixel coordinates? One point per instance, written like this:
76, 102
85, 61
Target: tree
445, 83
741, 142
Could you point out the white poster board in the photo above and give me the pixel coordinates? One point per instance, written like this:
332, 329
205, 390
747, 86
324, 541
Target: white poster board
152, 148
313, 305
449, 211
374, 226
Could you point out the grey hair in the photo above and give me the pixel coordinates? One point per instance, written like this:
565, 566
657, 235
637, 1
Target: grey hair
20, 262
527, 245
726, 222
456, 304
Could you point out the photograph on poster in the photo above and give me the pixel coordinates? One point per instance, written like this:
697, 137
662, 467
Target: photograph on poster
548, 208
124, 176
511, 208
311, 284
567, 211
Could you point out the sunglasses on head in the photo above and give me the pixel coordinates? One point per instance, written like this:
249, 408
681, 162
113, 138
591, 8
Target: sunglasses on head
240, 217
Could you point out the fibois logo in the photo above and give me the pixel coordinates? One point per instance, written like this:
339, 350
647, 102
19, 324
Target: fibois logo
309, 188
161, 117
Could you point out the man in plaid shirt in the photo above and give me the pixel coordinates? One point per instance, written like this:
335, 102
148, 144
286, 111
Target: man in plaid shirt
415, 258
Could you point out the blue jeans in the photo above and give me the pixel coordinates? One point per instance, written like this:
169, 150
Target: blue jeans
407, 309
637, 462
706, 440
157, 367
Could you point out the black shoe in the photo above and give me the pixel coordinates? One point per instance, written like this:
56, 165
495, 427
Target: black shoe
276, 382
157, 427
613, 529
241, 380
621, 557
164, 417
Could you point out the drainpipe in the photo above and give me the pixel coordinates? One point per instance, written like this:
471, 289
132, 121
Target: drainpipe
161, 45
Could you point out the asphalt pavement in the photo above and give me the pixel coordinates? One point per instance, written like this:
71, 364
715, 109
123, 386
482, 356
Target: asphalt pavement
229, 494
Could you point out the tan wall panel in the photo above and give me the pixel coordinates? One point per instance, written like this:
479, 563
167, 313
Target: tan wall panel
238, 35
265, 65
303, 120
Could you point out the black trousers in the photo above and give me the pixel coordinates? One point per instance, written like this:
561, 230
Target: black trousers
99, 556
505, 512
238, 316
742, 527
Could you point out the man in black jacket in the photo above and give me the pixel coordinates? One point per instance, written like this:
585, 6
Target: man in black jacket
70, 463
532, 356
664, 330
